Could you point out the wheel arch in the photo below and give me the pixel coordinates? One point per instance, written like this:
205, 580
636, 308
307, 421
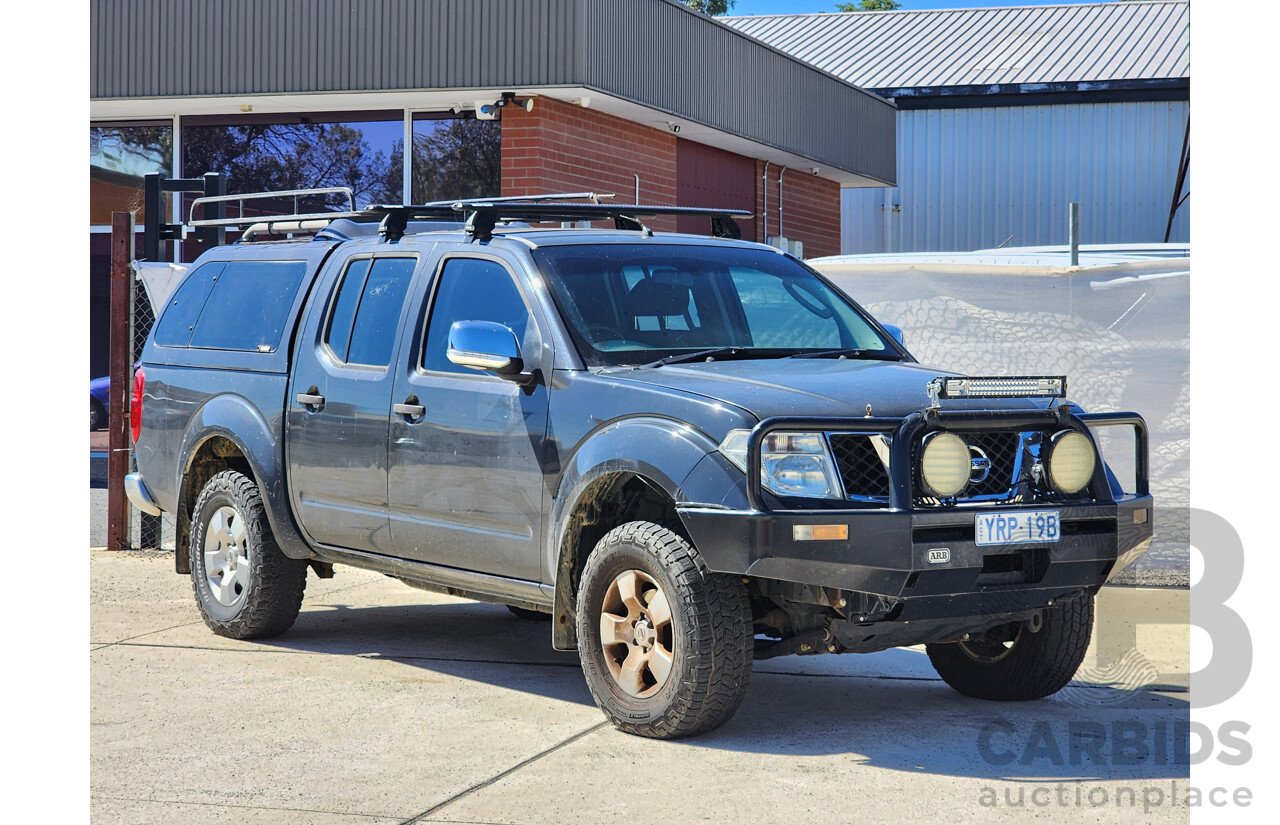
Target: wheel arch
227, 432
603, 486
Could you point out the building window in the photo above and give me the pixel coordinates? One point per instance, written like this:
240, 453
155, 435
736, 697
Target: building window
456, 157
119, 155
270, 153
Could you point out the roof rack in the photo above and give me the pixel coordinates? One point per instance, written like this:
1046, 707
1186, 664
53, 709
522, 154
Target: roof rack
481, 215
484, 214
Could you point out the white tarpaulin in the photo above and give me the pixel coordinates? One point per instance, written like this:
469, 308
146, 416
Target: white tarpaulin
159, 280
1120, 333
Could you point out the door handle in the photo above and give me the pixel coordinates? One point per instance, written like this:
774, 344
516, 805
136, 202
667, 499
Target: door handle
409, 410
311, 398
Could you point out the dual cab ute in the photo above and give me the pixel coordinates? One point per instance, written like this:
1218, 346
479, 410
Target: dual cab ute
686, 452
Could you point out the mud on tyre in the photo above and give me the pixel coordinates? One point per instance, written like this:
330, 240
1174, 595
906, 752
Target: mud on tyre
665, 644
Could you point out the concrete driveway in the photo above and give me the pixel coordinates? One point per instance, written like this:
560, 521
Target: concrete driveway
385, 704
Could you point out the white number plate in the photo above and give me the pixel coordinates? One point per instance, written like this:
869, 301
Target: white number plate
1036, 526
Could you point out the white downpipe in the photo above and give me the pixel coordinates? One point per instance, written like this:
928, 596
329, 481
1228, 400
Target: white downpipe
780, 201
765, 217
637, 174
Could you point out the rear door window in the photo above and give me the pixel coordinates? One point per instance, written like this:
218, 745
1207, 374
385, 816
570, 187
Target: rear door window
366, 310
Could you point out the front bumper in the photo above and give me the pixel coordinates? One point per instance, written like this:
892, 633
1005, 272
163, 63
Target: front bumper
887, 555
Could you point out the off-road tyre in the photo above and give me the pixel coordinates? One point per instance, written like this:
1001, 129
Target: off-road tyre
1035, 665
709, 633
269, 600
529, 615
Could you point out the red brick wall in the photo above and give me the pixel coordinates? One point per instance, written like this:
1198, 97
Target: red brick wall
810, 209
559, 147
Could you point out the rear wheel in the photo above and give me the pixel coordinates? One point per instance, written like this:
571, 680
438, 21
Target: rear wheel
665, 644
1011, 663
245, 587
97, 415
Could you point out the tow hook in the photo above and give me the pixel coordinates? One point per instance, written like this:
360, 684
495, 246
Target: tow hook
1035, 622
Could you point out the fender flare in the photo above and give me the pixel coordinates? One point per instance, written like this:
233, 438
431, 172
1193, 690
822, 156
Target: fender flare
672, 449
232, 417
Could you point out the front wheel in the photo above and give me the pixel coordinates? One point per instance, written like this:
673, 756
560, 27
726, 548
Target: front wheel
665, 644
1011, 663
245, 587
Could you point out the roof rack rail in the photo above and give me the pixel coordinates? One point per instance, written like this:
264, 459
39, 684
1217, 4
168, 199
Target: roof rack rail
484, 214
287, 193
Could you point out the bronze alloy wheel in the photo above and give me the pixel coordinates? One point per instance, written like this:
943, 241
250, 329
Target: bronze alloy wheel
636, 635
665, 644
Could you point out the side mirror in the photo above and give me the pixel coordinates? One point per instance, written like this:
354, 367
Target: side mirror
895, 331
484, 345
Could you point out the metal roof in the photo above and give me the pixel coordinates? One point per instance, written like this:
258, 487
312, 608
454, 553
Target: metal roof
887, 50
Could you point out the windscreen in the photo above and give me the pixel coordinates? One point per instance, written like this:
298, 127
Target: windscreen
637, 303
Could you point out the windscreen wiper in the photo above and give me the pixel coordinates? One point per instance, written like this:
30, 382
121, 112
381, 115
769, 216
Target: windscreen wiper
700, 355
864, 354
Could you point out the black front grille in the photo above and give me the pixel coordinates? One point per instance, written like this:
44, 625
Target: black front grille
1002, 450
861, 469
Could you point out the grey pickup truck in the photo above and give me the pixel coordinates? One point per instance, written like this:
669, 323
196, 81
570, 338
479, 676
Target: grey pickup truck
685, 452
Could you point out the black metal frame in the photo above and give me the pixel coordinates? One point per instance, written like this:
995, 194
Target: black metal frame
907, 430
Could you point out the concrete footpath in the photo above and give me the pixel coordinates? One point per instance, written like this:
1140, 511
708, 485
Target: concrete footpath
386, 704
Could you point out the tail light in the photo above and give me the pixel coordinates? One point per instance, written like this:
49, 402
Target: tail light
135, 404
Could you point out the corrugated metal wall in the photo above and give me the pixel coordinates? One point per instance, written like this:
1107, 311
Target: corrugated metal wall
971, 178
655, 53
155, 48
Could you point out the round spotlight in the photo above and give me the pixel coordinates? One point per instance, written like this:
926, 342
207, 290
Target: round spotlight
945, 464
1071, 461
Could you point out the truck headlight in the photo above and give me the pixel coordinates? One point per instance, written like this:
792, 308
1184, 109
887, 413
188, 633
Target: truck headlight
1071, 461
791, 464
945, 464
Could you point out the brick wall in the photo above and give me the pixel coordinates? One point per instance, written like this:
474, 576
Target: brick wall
810, 209
559, 147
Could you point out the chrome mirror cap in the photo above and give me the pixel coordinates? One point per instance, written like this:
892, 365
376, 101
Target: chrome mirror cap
486, 346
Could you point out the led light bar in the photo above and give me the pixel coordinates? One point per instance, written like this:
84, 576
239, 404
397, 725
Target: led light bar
1023, 386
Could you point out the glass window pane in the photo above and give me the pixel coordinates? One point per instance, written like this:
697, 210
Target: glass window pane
338, 336
456, 158
472, 290
373, 335
118, 158
188, 300
782, 314
631, 304
248, 306
322, 152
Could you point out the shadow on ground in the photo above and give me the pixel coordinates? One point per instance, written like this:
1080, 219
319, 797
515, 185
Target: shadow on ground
885, 710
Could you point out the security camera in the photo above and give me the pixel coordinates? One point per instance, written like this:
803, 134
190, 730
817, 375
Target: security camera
815, 170
456, 108
673, 126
